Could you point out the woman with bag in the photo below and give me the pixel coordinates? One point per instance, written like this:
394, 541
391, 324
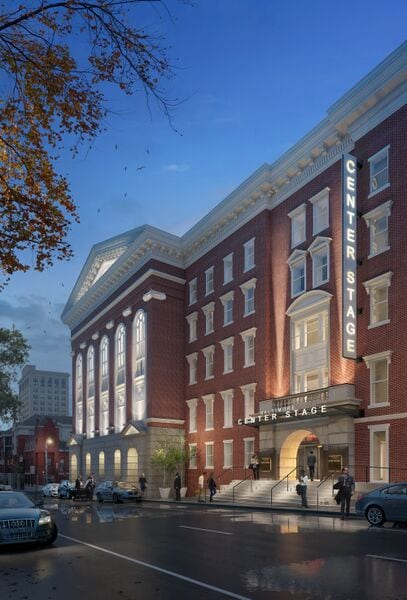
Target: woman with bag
302, 486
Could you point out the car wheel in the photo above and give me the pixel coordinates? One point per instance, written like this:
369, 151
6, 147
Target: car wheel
53, 536
375, 515
115, 498
99, 497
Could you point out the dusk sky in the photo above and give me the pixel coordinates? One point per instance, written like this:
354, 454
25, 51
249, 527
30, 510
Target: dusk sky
254, 77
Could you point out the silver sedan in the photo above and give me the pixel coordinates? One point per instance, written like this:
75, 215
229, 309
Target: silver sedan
117, 491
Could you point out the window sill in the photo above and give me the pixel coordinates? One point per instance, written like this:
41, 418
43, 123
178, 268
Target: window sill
209, 428
379, 252
246, 269
209, 467
384, 187
209, 332
379, 405
378, 324
228, 323
249, 313
192, 383
209, 293
297, 294
192, 468
193, 431
227, 427
228, 371
210, 377
229, 281
249, 365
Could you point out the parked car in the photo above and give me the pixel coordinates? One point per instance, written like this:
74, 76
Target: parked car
21, 521
386, 503
5, 487
66, 489
117, 491
50, 490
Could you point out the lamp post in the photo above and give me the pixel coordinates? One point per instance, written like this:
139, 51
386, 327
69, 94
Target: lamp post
47, 441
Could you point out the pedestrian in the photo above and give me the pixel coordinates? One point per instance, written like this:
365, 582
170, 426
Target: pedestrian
311, 460
78, 486
93, 479
346, 487
89, 487
212, 487
177, 486
143, 483
303, 482
255, 466
201, 487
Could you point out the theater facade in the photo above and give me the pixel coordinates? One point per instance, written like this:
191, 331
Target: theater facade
276, 324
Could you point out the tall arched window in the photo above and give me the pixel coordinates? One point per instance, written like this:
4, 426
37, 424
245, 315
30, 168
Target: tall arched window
139, 365
90, 400
117, 464
104, 386
79, 394
74, 467
88, 464
132, 465
101, 464
120, 378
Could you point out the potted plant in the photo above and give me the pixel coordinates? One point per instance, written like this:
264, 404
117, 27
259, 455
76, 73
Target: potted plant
168, 456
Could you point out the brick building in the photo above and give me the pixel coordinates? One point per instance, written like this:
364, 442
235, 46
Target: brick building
275, 325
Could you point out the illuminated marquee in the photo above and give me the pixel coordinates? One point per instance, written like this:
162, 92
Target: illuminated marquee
349, 216
266, 417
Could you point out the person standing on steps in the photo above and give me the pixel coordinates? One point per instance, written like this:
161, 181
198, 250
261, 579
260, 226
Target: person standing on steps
303, 482
346, 485
311, 461
212, 487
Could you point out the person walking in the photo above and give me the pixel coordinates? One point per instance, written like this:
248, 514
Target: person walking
255, 466
346, 484
89, 487
78, 486
142, 483
212, 487
177, 486
303, 482
311, 461
201, 487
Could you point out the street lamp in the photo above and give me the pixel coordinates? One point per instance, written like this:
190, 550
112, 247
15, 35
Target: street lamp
47, 441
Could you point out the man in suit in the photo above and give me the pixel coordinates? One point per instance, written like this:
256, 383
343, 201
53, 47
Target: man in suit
346, 488
311, 460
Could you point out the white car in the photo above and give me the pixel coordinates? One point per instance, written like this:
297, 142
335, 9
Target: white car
5, 488
50, 490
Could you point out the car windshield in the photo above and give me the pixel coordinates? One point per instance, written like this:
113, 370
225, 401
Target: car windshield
15, 500
125, 485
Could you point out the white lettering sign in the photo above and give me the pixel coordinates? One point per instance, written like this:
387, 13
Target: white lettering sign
349, 309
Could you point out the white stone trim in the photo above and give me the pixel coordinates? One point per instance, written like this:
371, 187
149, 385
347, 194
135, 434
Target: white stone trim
165, 421
154, 295
392, 417
248, 332
226, 297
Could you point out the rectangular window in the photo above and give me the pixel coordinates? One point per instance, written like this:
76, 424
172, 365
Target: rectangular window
228, 268
320, 266
192, 320
379, 304
248, 451
208, 412
193, 291
208, 311
249, 255
379, 171
320, 211
298, 278
379, 381
192, 404
227, 357
227, 454
208, 354
192, 361
248, 393
209, 281
377, 220
298, 233
209, 455
248, 337
228, 312
192, 456
227, 409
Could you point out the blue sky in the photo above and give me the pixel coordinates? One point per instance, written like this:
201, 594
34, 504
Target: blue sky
254, 76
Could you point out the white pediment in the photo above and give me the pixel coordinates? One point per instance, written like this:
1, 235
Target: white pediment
99, 267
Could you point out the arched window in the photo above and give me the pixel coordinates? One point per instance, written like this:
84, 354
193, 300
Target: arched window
104, 386
120, 378
74, 467
79, 394
139, 364
101, 464
90, 400
132, 465
88, 464
117, 464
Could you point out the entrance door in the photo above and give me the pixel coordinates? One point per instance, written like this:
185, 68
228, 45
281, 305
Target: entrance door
309, 445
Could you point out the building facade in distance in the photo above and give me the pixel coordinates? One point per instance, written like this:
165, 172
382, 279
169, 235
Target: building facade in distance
42, 393
275, 325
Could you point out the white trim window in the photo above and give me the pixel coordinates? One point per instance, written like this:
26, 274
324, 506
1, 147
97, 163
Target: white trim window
139, 406
228, 268
192, 321
227, 397
193, 363
90, 402
227, 346
248, 290
379, 452
320, 211
378, 364
378, 291
120, 379
298, 230
79, 394
209, 402
319, 251
209, 455
209, 281
192, 405
379, 171
248, 249
193, 291
227, 454
91, 371
248, 451
297, 265
377, 220
192, 456
104, 364
227, 303
208, 353
208, 311
248, 392
248, 338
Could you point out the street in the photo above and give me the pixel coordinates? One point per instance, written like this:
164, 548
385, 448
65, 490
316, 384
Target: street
167, 551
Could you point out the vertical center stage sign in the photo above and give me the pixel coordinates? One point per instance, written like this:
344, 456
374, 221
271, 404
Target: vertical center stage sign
349, 264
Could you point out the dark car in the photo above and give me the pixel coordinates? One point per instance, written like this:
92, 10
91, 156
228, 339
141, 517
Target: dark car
66, 489
21, 521
386, 503
117, 491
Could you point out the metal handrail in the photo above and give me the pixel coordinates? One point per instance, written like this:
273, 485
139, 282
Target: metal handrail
246, 477
281, 481
220, 475
329, 476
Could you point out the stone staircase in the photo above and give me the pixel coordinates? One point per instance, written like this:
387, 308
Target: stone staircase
258, 493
